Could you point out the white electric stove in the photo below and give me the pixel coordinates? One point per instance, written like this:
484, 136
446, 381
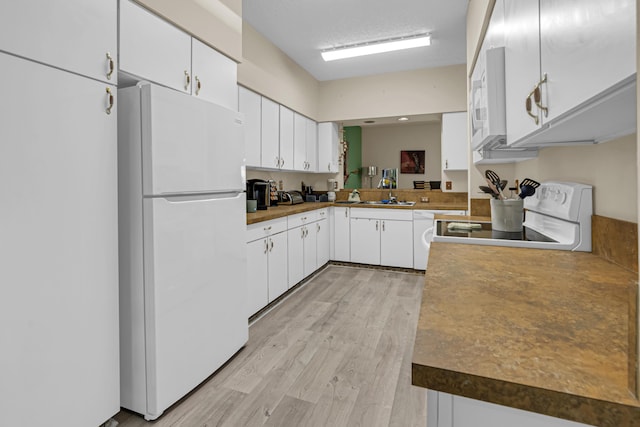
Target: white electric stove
557, 216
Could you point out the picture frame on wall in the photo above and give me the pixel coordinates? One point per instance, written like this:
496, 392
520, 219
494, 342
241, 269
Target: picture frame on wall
412, 161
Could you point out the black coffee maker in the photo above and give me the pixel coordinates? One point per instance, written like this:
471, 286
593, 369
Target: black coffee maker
260, 190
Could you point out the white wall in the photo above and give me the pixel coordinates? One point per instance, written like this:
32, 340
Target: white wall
424, 91
381, 146
267, 70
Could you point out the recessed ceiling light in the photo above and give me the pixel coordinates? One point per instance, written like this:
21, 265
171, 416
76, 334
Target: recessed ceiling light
379, 46
403, 119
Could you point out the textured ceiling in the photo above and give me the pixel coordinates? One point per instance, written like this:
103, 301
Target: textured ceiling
303, 28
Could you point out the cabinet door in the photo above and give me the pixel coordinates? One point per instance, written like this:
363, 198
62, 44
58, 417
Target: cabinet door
341, 235
249, 104
59, 251
310, 248
152, 49
312, 146
396, 243
323, 241
455, 152
74, 35
365, 240
257, 275
286, 138
270, 134
299, 142
214, 76
586, 47
277, 265
327, 147
295, 249
522, 65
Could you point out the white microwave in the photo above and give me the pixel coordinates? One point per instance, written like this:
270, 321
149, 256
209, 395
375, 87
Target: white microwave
487, 99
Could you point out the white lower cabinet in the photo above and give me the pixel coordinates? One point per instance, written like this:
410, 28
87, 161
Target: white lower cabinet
323, 242
308, 236
341, 234
447, 410
365, 240
266, 262
382, 237
396, 243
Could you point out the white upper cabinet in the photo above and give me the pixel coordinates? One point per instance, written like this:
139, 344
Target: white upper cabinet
312, 146
214, 76
299, 142
328, 145
454, 141
153, 49
75, 35
270, 129
249, 104
570, 70
286, 138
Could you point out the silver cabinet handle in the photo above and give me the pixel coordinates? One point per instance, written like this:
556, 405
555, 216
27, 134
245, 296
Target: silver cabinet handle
277, 161
266, 246
302, 232
111, 66
282, 164
271, 248
187, 80
329, 167
198, 86
267, 228
382, 225
376, 225
110, 101
318, 229
345, 213
446, 164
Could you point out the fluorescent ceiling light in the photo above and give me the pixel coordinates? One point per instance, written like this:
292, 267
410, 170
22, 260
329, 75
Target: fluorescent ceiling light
381, 46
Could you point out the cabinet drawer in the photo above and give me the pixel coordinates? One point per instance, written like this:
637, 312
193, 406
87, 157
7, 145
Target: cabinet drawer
266, 228
398, 214
303, 218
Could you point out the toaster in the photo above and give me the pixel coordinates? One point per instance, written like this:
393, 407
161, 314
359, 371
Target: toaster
291, 197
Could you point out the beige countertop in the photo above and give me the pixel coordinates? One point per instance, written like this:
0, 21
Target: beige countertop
284, 210
541, 330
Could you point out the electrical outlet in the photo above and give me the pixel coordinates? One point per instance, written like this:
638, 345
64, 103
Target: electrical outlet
448, 185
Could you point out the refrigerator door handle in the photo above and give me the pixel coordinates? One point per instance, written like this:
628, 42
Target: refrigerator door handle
186, 198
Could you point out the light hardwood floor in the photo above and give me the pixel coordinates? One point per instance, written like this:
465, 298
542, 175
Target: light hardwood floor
337, 352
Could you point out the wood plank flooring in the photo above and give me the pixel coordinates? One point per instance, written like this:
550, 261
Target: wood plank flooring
337, 352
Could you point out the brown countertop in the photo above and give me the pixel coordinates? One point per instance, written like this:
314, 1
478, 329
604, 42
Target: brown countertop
284, 210
541, 330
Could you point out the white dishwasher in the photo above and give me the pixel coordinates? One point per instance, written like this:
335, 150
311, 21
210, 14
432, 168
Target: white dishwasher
423, 221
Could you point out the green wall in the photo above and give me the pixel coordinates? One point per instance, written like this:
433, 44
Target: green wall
353, 136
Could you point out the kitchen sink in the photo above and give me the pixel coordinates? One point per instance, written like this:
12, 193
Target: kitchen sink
387, 202
346, 202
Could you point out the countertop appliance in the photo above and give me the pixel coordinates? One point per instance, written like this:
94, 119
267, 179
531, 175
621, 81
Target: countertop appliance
291, 197
183, 261
487, 99
260, 190
557, 216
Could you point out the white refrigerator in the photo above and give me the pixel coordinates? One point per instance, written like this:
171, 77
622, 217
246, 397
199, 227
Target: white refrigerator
182, 226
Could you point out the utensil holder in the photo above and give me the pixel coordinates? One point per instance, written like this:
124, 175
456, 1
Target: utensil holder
507, 215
